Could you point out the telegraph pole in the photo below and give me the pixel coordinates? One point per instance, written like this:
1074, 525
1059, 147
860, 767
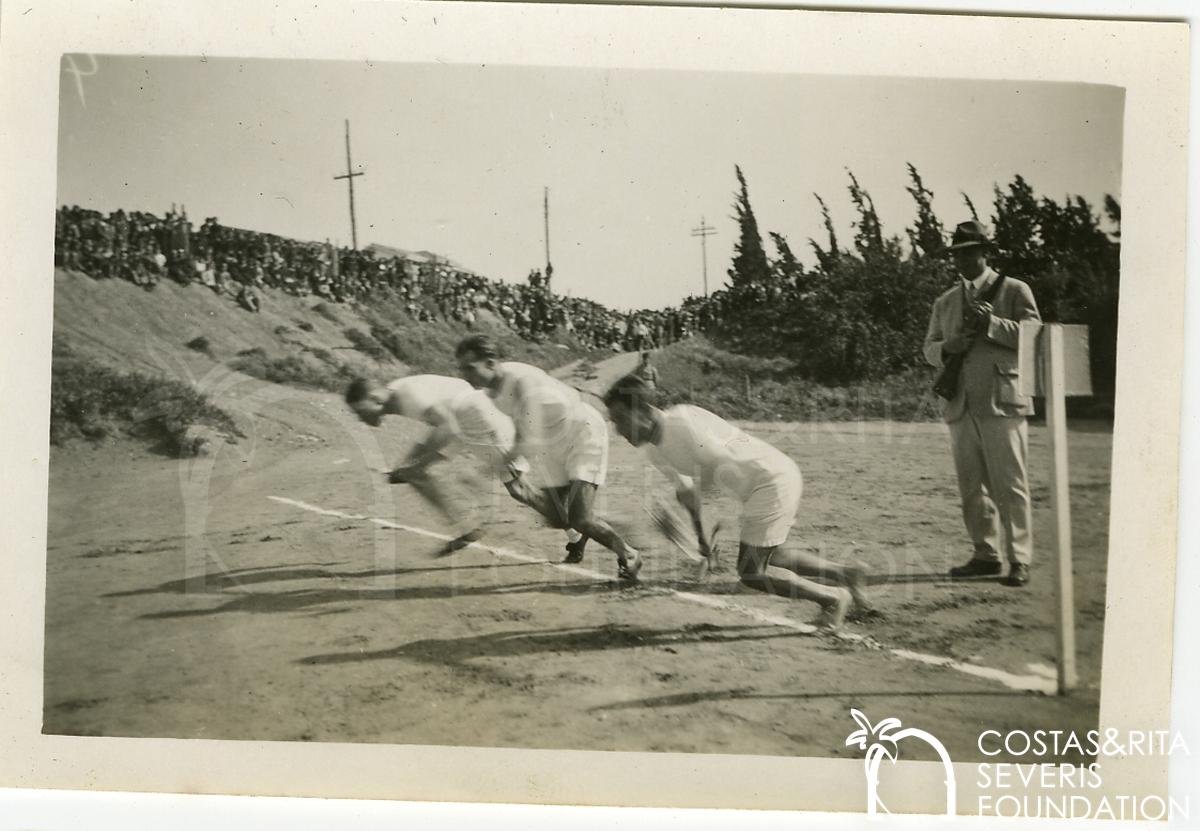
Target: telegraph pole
704, 232
546, 222
349, 177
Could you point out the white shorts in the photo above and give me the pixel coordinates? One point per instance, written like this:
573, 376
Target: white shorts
582, 457
770, 510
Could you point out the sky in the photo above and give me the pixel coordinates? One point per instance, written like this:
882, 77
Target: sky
455, 157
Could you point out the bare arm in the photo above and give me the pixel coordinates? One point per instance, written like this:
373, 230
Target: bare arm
444, 430
688, 492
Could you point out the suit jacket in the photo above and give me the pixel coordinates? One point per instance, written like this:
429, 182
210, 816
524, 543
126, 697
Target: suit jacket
988, 383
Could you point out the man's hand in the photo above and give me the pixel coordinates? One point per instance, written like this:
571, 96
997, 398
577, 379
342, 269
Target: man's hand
958, 343
980, 315
520, 490
513, 471
708, 544
689, 497
513, 464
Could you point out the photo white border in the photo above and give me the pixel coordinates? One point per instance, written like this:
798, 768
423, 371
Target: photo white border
1149, 60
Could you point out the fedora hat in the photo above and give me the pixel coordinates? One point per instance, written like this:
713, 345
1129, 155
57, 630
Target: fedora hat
970, 234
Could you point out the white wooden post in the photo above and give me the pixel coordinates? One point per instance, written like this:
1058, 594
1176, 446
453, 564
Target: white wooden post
1053, 362
1054, 379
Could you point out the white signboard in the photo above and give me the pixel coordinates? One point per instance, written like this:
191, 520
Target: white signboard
1077, 373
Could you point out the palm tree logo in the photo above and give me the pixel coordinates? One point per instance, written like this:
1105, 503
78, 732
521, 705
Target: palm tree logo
880, 742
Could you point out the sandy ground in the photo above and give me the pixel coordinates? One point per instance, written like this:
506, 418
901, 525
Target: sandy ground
183, 602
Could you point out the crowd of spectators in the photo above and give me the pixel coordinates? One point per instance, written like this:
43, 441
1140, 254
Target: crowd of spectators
145, 249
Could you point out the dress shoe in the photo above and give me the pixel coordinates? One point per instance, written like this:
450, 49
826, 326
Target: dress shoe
976, 568
1018, 575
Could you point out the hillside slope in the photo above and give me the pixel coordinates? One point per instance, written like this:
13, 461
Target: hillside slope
184, 348
129, 328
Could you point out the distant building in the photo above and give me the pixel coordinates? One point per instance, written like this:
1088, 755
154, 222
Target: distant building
384, 251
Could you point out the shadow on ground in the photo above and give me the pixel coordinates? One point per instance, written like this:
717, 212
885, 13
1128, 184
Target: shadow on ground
513, 644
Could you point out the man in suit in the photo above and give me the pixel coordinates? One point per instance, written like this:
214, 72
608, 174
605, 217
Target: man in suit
980, 321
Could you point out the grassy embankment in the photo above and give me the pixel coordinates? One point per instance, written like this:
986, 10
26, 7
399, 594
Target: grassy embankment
736, 386
392, 336
91, 401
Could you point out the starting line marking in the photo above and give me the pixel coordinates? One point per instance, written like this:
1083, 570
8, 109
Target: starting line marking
1025, 683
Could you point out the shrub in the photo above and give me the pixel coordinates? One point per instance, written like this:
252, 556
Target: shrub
292, 369
391, 339
304, 326
366, 344
200, 344
769, 389
323, 355
92, 401
326, 311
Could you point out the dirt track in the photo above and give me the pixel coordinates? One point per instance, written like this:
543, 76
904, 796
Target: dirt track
182, 601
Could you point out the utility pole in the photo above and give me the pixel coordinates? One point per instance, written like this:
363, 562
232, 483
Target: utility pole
704, 232
349, 177
546, 222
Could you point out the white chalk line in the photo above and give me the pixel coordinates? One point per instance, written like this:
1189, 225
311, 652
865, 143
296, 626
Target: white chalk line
1024, 683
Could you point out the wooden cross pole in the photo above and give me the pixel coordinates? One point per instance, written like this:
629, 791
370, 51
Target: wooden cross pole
704, 231
349, 177
1053, 360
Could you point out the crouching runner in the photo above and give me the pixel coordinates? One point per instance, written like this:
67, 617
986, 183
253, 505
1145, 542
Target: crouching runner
461, 418
697, 450
565, 440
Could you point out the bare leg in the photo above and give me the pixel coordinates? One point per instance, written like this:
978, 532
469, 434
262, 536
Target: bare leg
757, 570
434, 492
520, 490
575, 503
811, 565
548, 508
595, 528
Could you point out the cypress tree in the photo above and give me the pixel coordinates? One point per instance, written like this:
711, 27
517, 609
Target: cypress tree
750, 266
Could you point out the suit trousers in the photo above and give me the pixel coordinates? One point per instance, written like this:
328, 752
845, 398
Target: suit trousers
989, 457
